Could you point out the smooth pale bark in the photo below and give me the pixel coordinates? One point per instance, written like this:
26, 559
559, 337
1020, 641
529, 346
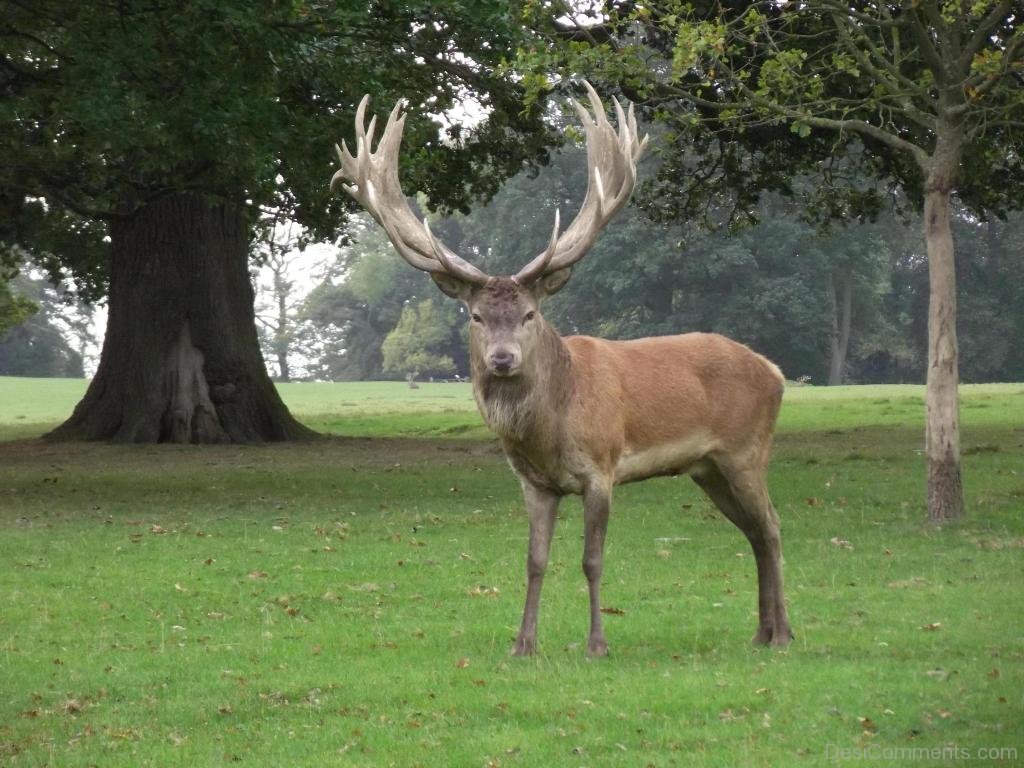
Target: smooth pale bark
181, 359
281, 336
942, 403
282, 330
841, 296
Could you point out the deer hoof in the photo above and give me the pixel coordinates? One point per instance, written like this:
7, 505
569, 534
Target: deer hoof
524, 647
763, 636
781, 639
768, 636
597, 648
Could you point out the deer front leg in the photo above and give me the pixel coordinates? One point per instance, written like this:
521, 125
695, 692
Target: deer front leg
596, 506
542, 506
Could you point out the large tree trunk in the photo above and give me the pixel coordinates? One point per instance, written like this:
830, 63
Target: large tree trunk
181, 360
942, 433
841, 297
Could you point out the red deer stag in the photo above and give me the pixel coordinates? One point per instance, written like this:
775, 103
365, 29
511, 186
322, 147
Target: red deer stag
581, 415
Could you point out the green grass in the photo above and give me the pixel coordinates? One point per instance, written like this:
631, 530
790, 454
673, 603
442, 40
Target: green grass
351, 601
30, 407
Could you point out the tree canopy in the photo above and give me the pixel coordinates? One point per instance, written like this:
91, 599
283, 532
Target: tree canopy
108, 106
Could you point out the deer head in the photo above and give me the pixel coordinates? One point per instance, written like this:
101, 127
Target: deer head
506, 320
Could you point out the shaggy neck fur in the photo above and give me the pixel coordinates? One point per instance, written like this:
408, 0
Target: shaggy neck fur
529, 406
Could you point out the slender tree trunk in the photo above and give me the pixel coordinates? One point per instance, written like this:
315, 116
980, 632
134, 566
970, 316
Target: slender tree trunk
285, 373
942, 434
181, 361
281, 333
842, 311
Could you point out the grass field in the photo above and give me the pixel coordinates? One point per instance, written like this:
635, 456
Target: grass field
351, 601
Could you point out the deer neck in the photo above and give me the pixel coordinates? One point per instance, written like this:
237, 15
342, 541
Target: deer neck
528, 408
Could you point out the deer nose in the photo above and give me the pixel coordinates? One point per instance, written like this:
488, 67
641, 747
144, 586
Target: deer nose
502, 360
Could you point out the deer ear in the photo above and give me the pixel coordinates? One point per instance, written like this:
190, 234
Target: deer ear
553, 283
451, 286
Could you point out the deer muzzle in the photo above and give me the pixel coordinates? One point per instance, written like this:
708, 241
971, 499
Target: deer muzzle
503, 362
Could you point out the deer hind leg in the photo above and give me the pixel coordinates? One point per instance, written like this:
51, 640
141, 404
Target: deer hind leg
542, 507
742, 496
596, 507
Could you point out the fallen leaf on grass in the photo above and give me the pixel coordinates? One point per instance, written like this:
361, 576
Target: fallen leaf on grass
462, 663
483, 591
867, 724
367, 587
913, 581
254, 575
836, 541
613, 611
72, 707
935, 625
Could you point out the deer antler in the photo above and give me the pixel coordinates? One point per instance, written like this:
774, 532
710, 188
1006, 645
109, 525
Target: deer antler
611, 166
375, 185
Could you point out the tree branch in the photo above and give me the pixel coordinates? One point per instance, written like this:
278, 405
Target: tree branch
887, 71
793, 113
890, 77
929, 53
981, 34
981, 83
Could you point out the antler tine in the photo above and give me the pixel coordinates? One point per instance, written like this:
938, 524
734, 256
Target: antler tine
539, 265
611, 159
452, 264
374, 183
369, 132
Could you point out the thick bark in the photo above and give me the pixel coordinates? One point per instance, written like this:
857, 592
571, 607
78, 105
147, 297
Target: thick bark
841, 295
942, 434
181, 360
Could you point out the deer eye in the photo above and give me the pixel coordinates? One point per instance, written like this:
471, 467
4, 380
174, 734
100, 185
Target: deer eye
477, 318
529, 316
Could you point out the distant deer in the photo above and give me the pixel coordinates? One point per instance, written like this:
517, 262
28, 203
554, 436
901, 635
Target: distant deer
580, 414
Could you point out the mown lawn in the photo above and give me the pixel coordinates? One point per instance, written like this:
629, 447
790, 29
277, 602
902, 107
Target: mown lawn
351, 601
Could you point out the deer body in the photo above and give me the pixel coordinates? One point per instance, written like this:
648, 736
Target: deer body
580, 415
624, 411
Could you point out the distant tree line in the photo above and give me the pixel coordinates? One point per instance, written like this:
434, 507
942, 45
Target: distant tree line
842, 304
45, 329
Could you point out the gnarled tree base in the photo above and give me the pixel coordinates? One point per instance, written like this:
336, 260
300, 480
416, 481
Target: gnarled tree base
181, 360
